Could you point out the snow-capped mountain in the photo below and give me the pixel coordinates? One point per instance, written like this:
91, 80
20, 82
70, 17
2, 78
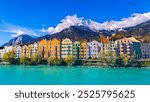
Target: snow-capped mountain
82, 32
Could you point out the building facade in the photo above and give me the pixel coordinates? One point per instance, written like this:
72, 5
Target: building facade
25, 51
43, 48
1, 52
128, 46
35, 49
55, 48
66, 48
94, 49
84, 50
18, 51
76, 49
8, 49
145, 49
111, 46
31, 49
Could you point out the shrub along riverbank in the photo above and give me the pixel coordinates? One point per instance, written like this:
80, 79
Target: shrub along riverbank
105, 59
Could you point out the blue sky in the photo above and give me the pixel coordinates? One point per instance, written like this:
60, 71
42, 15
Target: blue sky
36, 14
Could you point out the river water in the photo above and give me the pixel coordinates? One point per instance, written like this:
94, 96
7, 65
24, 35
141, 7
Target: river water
75, 75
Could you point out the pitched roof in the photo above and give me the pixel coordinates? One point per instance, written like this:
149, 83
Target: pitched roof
133, 39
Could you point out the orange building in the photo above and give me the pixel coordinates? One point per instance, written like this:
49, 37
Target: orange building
84, 50
104, 39
44, 48
55, 48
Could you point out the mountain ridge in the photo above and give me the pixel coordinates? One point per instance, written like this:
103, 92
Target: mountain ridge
85, 33
20, 40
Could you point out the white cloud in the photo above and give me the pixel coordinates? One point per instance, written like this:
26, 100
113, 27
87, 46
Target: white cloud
133, 20
65, 23
16, 30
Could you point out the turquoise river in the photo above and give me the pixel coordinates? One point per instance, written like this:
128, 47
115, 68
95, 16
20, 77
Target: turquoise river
76, 75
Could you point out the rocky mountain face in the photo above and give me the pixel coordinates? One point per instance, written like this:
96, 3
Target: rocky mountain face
73, 33
142, 29
77, 33
20, 40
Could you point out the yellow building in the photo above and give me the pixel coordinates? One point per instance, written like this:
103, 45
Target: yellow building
55, 48
84, 50
25, 51
31, 50
44, 48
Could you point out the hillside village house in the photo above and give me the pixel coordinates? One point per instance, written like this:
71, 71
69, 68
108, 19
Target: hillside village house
66, 48
76, 49
55, 48
129, 46
145, 49
94, 48
84, 50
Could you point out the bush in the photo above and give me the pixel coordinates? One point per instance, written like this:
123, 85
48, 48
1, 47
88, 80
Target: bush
36, 60
24, 60
70, 60
126, 61
9, 57
147, 63
54, 61
108, 57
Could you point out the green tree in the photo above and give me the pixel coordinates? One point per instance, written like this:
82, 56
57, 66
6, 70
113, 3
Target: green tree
125, 59
54, 61
70, 60
9, 57
24, 60
36, 59
108, 57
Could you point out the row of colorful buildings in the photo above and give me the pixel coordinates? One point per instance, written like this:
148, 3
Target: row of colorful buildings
80, 49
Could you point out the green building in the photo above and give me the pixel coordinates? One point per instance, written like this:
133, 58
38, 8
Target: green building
76, 49
137, 50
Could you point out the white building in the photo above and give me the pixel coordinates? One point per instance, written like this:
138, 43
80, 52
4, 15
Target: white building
18, 51
145, 49
8, 49
1, 52
94, 48
35, 51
